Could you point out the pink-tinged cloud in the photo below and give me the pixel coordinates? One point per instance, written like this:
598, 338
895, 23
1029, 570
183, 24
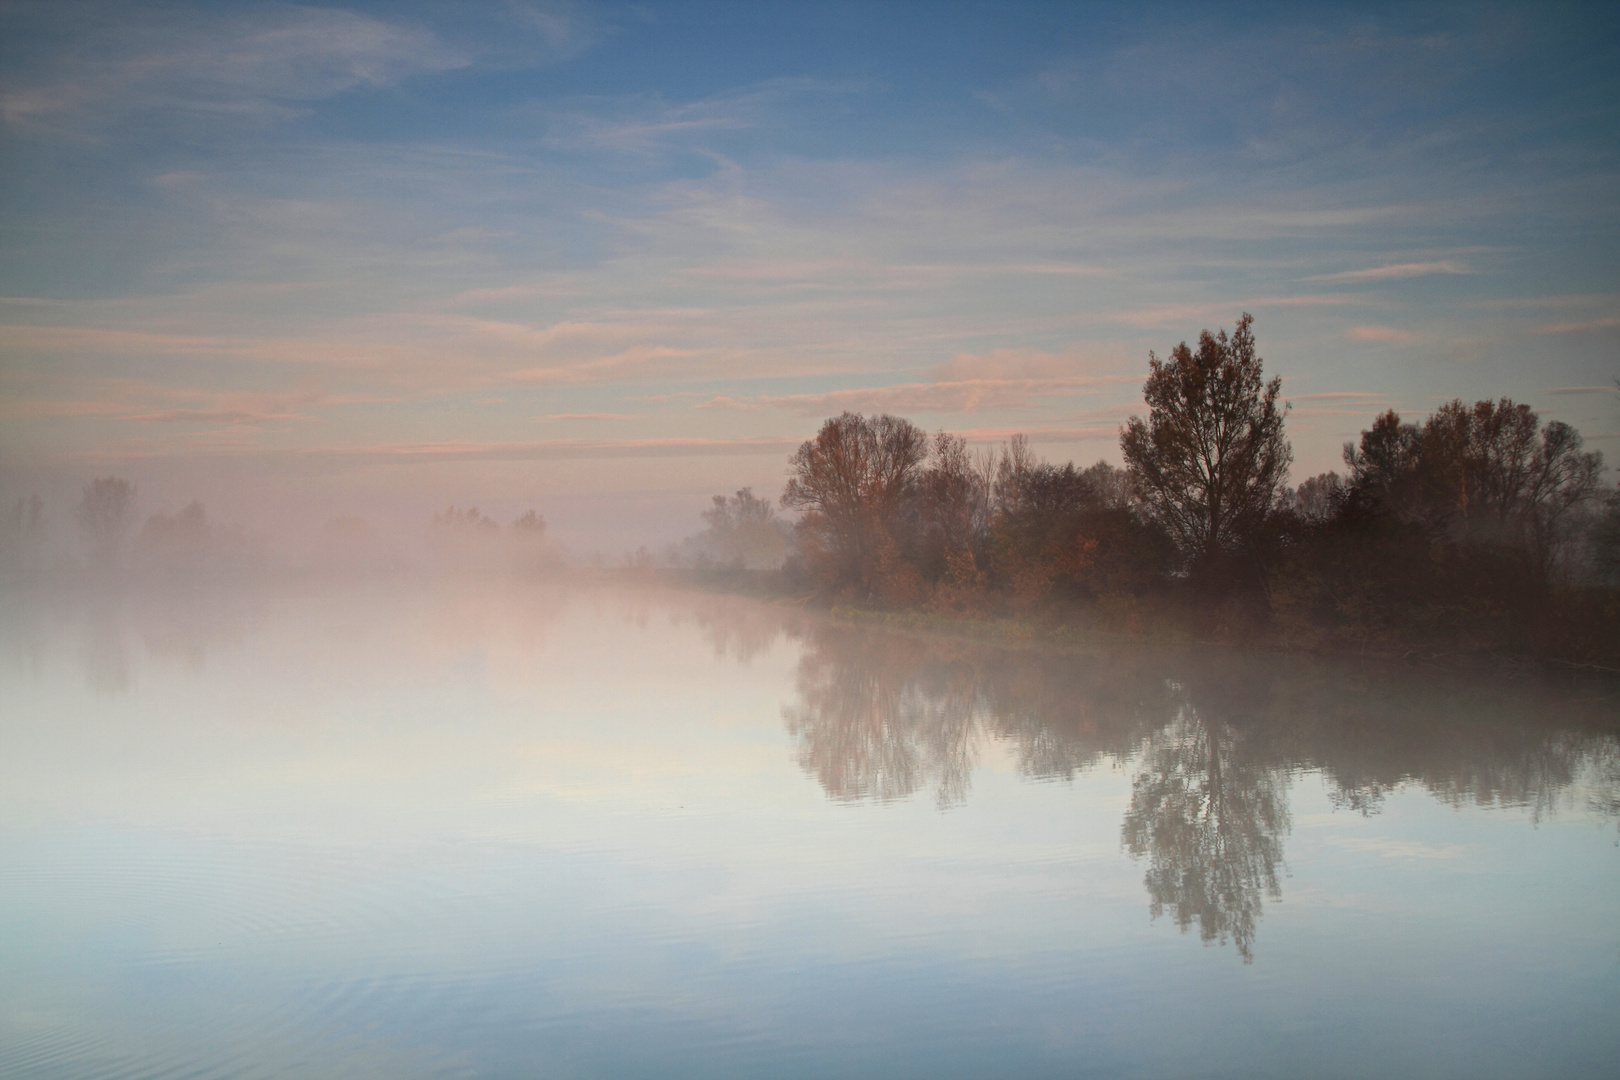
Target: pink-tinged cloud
235, 442
642, 361
1398, 271
1383, 334
1585, 390
1566, 302
554, 449
841, 272
589, 416
510, 293
57, 408
1039, 435
1333, 395
134, 400
1577, 327
1038, 364
1170, 314
214, 416
973, 395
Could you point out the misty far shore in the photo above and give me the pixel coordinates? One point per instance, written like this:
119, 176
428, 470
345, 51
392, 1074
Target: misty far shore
1481, 531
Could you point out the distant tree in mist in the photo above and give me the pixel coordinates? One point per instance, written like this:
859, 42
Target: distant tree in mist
743, 531
186, 542
187, 528
530, 524
27, 515
103, 517
1210, 462
469, 518
468, 540
24, 531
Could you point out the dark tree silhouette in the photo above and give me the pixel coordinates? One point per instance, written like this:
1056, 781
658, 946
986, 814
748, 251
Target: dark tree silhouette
103, 516
1211, 461
1488, 473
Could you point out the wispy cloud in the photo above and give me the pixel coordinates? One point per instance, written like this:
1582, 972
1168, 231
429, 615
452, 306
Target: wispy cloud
1382, 334
260, 62
556, 449
968, 396
647, 123
1041, 434
1568, 301
1157, 315
589, 416
1578, 326
214, 416
1397, 271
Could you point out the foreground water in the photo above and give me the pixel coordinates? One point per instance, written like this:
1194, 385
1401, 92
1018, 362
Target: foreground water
537, 832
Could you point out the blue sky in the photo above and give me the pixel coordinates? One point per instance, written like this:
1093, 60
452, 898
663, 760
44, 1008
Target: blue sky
607, 259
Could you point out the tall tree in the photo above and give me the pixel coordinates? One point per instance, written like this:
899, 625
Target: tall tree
1211, 461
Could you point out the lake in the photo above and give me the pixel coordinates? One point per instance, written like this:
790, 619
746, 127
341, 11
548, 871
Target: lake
474, 830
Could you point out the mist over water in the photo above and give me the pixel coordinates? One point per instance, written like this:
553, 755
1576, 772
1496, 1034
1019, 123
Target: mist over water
551, 538
493, 825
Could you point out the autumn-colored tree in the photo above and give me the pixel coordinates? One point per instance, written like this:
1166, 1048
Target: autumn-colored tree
953, 511
852, 483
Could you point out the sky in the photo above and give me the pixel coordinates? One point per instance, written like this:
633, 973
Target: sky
606, 260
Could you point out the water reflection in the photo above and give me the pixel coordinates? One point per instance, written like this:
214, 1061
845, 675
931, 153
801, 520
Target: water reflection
482, 827
1210, 820
1211, 741
179, 629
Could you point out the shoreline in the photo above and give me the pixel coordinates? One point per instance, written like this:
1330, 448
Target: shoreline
1023, 632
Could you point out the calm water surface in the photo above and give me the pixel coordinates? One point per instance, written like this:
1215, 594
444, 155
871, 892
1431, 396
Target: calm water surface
531, 832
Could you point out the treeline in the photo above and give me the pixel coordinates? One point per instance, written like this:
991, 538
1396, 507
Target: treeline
187, 545
1481, 528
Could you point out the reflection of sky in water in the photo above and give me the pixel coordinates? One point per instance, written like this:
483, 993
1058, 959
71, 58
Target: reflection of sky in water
527, 833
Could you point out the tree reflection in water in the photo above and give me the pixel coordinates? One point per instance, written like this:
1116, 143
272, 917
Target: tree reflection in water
1211, 823
880, 723
1212, 740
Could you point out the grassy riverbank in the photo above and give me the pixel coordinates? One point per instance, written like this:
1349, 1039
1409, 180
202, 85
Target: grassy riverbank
1578, 632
